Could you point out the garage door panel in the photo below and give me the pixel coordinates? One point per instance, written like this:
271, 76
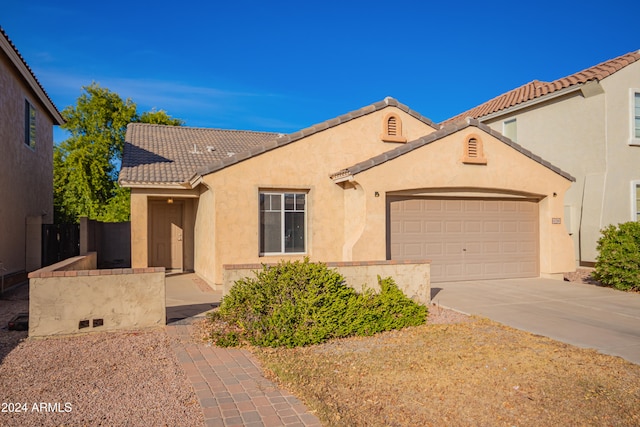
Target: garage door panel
491, 226
453, 227
413, 251
473, 227
467, 239
509, 226
433, 249
413, 226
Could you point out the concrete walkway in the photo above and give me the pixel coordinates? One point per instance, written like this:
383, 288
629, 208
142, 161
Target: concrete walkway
228, 382
578, 314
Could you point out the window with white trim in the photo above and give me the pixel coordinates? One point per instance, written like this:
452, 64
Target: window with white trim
635, 200
282, 222
510, 129
635, 117
29, 125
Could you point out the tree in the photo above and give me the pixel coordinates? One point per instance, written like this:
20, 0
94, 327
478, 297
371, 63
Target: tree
86, 164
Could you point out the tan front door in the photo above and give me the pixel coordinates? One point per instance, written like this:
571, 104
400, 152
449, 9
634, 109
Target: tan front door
467, 239
166, 235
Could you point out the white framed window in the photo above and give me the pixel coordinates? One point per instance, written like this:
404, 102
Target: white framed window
510, 129
635, 117
635, 200
283, 218
29, 125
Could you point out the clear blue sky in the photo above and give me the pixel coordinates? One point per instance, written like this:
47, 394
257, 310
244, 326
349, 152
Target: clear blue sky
284, 65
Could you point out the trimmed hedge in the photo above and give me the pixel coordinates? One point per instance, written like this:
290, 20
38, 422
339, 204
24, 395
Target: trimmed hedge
618, 262
301, 303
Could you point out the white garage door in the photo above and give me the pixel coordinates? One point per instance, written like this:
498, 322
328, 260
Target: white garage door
467, 239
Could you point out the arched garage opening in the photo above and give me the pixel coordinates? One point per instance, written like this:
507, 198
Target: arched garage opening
467, 235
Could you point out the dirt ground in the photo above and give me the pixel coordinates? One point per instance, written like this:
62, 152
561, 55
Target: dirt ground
458, 371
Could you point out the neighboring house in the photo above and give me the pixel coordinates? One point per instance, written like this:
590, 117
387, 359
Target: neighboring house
27, 117
588, 124
378, 183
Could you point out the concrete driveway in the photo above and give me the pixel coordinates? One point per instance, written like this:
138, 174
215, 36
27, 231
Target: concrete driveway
578, 314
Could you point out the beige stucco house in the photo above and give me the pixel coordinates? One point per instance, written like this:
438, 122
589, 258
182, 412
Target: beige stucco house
379, 183
27, 117
588, 124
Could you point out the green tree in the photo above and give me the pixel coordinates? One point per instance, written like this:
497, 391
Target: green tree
86, 164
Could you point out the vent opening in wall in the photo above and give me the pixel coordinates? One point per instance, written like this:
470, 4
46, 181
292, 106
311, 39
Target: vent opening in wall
392, 129
473, 152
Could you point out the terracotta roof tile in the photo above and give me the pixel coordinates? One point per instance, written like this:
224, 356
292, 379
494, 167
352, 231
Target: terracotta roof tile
536, 88
157, 154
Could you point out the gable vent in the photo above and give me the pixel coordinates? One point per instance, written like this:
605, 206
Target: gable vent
392, 126
392, 129
472, 148
473, 151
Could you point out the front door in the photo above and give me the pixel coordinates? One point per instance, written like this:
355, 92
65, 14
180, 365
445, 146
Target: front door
166, 235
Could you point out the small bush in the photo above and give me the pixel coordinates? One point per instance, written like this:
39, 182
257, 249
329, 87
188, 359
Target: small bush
301, 303
618, 263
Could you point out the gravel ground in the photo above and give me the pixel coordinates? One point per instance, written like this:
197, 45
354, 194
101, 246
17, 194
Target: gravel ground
109, 379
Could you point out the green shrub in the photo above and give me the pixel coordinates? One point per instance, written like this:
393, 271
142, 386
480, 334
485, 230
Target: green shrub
301, 303
618, 262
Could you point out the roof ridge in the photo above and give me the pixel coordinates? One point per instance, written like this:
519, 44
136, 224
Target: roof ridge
311, 130
520, 94
203, 128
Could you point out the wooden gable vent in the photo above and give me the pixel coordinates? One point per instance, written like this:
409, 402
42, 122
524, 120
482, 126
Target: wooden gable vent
392, 129
473, 152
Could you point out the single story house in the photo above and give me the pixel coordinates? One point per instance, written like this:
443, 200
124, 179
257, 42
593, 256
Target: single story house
378, 183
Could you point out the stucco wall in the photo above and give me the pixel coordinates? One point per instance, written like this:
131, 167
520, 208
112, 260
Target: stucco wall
588, 137
348, 222
140, 198
302, 165
412, 277
107, 299
437, 166
26, 181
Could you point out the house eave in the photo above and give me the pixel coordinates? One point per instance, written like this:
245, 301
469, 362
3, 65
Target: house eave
27, 75
527, 104
157, 185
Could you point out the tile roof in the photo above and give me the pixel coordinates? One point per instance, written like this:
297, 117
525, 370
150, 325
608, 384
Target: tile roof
287, 139
27, 73
158, 154
435, 136
539, 89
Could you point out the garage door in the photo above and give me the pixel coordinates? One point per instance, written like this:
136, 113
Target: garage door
466, 239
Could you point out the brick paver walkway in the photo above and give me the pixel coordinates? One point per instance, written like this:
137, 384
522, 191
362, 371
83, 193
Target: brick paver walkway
231, 388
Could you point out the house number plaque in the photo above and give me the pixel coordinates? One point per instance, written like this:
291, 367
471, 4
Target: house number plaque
556, 221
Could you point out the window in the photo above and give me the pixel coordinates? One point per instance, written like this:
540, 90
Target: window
510, 129
29, 125
473, 151
635, 200
635, 117
282, 223
392, 129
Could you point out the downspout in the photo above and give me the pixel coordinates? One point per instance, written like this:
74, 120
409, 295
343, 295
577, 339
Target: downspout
606, 159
